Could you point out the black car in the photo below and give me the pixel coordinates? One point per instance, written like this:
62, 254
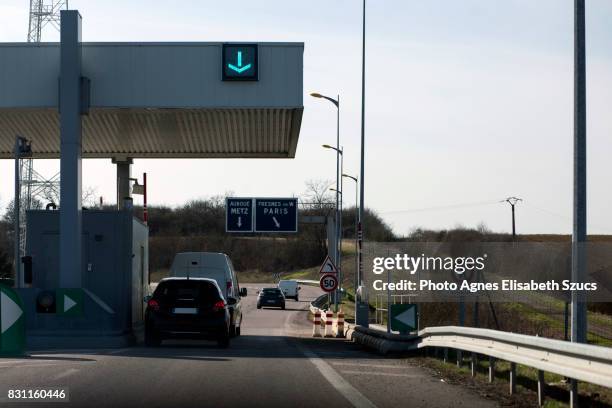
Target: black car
187, 308
271, 297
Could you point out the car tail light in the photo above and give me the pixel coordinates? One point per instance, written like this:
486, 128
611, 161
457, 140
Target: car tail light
220, 305
153, 304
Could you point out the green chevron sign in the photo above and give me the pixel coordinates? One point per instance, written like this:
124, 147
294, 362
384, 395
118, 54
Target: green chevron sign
69, 302
12, 323
239, 62
404, 317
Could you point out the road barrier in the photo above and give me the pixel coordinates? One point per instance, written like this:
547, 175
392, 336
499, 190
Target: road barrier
325, 318
316, 324
339, 326
580, 362
328, 319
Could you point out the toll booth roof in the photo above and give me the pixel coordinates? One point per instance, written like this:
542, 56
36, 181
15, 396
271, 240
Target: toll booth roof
157, 100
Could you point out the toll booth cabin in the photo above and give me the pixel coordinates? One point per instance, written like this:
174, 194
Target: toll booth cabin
126, 101
108, 310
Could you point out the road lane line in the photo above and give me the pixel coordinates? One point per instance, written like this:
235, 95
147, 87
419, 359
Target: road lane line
378, 373
367, 365
66, 373
10, 361
357, 399
35, 365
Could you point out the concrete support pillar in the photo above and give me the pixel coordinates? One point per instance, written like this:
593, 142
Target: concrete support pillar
124, 172
70, 150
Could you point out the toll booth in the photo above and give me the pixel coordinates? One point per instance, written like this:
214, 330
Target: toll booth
108, 310
122, 102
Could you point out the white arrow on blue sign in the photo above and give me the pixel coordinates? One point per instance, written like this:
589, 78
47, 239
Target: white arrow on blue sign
276, 214
238, 214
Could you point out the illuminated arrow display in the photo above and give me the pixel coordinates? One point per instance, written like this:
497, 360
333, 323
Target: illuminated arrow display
239, 69
239, 62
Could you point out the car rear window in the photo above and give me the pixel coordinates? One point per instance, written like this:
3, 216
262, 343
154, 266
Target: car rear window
199, 291
272, 292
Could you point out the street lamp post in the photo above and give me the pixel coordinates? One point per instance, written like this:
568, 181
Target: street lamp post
356, 283
336, 103
361, 310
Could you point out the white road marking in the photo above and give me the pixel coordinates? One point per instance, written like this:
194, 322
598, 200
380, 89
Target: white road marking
35, 365
66, 373
10, 361
378, 373
367, 365
357, 399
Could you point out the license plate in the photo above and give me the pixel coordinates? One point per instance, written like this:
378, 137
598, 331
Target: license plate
270, 301
185, 310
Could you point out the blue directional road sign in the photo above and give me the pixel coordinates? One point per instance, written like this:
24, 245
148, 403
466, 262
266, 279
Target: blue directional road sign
276, 215
239, 214
240, 62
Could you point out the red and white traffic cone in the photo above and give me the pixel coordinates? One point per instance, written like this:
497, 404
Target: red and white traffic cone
316, 324
340, 324
329, 320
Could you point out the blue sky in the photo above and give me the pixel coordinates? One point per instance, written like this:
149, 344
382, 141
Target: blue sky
467, 102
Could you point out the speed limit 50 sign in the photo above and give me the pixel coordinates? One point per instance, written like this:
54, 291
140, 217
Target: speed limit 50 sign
329, 282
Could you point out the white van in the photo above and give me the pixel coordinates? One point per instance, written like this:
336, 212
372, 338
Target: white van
290, 289
217, 266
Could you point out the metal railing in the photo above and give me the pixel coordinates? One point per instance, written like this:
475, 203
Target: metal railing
583, 362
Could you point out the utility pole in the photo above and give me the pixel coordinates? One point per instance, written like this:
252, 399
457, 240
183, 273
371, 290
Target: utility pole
579, 237
512, 201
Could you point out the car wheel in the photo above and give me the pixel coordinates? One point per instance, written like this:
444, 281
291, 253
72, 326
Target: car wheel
232, 330
258, 306
238, 331
297, 299
152, 338
283, 307
224, 340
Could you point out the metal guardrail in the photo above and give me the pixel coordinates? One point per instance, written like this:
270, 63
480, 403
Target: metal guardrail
583, 362
578, 362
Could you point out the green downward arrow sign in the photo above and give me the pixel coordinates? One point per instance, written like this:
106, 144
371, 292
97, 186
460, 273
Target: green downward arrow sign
12, 322
239, 68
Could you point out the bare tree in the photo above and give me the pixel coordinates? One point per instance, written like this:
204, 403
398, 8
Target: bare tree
88, 197
317, 194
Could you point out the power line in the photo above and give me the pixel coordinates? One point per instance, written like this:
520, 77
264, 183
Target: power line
443, 207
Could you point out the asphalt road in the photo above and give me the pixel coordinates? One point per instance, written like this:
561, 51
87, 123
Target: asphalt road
274, 363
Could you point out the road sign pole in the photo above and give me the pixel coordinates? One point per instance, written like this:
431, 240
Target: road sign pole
338, 213
340, 272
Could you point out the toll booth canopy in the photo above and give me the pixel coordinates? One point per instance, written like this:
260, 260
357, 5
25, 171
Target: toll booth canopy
159, 100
